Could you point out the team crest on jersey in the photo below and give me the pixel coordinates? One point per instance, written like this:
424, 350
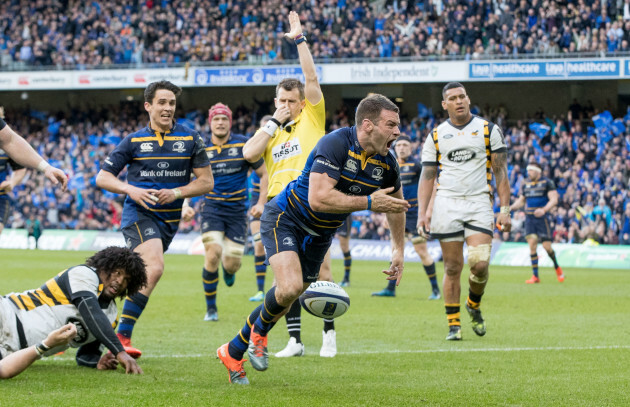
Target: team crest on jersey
210, 154
149, 232
232, 152
351, 165
146, 147
162, 165
287, 241
286, 150
355, 189
377, 173
461, 155
179, 147
475, 133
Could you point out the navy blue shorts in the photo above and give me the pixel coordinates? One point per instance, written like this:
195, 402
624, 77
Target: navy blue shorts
538, 226
411, 224
253, 200
345, 230
5, 209
280, 234
148, 227
233, 224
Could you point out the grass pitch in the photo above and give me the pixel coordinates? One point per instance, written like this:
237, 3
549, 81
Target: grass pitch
550, 344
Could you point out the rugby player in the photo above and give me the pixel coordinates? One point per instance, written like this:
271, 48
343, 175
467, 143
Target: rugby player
160, 159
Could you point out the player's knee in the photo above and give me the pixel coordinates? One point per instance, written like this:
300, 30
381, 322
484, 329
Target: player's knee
453, 268
288, 291
231, 264
478, 260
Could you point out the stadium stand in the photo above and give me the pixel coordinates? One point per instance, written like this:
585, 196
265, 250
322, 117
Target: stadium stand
75, 34
592, 178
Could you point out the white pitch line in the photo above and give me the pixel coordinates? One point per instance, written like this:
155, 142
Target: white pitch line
374, 352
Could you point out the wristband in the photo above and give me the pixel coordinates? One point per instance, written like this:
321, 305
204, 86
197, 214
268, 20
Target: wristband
40, 348
505, 210
300, 38
42, 165
177, 192
369, 202
271, 127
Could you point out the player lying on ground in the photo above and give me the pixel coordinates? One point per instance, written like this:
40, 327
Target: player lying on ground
83, 295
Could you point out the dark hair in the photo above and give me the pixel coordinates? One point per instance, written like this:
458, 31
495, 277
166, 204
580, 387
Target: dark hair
371, 107
112, 258
149, 92
451, 85
290, 84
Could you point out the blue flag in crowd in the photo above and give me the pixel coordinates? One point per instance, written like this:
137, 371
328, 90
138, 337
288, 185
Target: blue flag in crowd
539, 129
422, 111
602, 120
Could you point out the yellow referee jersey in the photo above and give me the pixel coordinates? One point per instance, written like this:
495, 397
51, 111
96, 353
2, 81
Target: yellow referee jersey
286, 153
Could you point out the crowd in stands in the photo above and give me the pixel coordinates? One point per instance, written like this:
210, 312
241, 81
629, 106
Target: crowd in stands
78, 34
589, 164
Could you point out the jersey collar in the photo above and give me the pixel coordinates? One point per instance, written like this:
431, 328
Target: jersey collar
160, 136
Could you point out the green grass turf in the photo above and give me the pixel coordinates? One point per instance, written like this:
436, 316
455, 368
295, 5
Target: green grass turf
551, 344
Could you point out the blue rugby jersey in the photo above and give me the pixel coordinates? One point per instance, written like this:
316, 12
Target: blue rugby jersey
157, 161
229, 170
409, 178
536, 194
340, 156
5, 163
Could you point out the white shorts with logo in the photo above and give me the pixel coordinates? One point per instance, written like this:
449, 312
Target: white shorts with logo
454, 219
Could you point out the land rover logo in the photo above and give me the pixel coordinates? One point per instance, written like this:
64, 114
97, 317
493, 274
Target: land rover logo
162, 165
355, 189
461, 155
448, 136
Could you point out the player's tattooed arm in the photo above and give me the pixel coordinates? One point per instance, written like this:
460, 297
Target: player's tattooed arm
429, 172
499, 166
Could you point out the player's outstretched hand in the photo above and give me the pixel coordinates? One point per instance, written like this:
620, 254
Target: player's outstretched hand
187, 213
56, 176
394, 273
382, 202
129, 363
143, 197
61, 336
107, 362
296, 26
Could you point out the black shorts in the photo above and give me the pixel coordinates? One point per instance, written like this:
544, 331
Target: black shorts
281, 234
538, 226
148, 227
411, 224
233, 224
345, 230
5, 209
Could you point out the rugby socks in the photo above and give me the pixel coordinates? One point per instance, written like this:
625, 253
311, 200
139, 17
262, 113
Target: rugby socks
210, 282
329, 324
552, 256
293, 319
132, 309
271, 309
430, 270
347, 265
238, 346
391, 285
452, 314
261, 271
474, 300
534, 258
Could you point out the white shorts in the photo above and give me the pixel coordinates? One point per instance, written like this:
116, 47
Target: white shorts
454, 219
9, 339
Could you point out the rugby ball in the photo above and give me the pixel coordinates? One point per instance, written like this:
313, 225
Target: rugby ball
325, 300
